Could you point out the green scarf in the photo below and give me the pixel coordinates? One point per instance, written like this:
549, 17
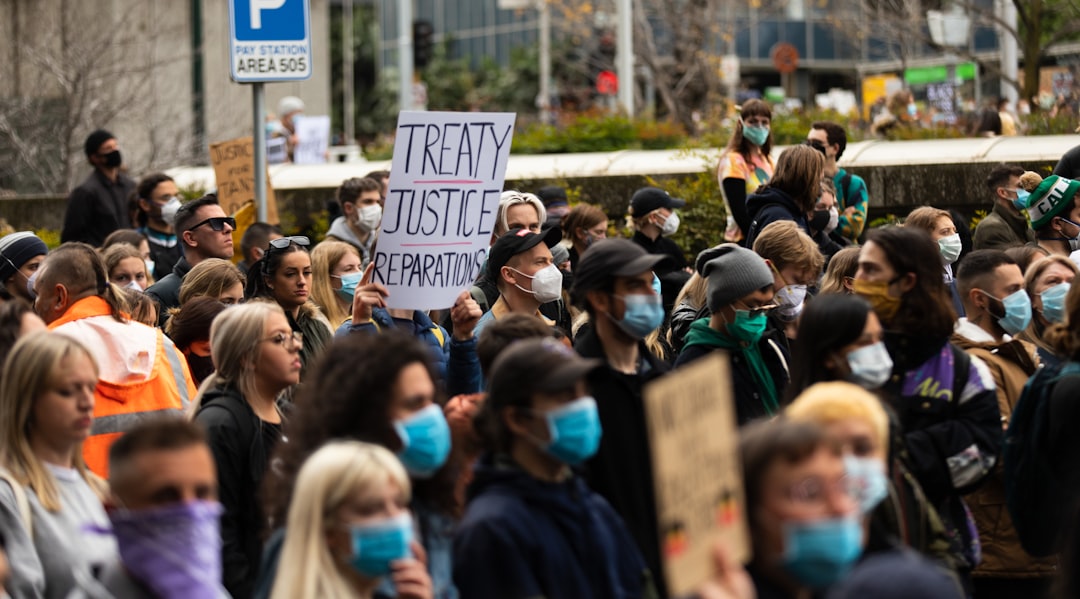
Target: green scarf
702, 334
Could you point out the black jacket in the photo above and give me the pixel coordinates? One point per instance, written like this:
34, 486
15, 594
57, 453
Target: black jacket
166, 292
96, 208
621, 470
241, 444
748, 402
769, 205
523, 538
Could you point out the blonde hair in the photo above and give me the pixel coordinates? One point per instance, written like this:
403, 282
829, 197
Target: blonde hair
516, 198
1031, 277
843, 265
32, 363
234, 346
324, 258
210, 277
117, 253
334, 473
137, 305
828, 403
784, 244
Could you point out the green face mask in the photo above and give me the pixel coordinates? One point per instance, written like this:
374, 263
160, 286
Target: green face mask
748, 326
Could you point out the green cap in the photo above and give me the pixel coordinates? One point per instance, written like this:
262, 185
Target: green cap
1052, 197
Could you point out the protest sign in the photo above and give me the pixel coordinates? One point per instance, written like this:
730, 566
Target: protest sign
277, 150
697, 471
445, 181
234, 169
312, 139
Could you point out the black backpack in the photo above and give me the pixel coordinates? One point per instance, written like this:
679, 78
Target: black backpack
1034, 492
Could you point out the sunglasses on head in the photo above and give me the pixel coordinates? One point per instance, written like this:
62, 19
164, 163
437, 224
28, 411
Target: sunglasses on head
216, 223
284, 242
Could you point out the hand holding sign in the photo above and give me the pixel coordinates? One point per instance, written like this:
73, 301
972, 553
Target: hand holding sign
465, 314
367, 297
730, 580
443, 195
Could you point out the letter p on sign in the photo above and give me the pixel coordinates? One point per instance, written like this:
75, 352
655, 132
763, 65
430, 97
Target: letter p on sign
257, 6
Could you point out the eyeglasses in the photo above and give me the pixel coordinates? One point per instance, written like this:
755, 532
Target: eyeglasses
758, 309
284, 242
217, 223
280, 338
813, 490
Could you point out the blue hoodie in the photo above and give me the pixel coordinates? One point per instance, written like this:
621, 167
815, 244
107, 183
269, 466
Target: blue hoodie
522, 537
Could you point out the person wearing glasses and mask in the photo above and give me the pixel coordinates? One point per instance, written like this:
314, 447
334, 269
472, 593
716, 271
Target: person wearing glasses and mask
283, 276
204, 231
257, 356
741, 290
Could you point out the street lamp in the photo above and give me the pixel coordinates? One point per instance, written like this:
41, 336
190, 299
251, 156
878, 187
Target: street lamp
950, 30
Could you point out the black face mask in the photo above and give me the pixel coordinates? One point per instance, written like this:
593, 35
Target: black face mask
201, 367
567, 279
113, 159
820, 220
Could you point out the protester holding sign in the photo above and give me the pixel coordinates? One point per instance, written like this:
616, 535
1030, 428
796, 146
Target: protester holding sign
533, 528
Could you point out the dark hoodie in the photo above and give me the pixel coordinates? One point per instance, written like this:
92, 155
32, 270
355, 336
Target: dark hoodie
522, 537
769, 205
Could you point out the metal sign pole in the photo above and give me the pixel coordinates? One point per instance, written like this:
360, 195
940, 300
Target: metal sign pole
258, 97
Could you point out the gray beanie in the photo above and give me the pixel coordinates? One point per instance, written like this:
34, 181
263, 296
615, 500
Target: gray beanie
734, 272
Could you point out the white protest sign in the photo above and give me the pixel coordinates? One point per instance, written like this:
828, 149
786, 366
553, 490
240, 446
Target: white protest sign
312, 139
445, 181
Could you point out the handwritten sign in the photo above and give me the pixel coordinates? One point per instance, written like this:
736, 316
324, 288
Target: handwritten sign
445, 181
696, 470
234, 169
312, 139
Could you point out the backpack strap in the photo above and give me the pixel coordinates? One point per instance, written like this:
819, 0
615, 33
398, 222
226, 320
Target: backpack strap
21, 502
961, 372
845, 187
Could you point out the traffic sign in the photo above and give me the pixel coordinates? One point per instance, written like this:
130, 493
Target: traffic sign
270, 40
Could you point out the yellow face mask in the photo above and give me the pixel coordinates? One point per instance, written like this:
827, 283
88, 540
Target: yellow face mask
877, 293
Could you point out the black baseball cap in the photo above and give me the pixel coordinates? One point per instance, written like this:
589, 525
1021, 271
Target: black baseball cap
537, 365
647, 199
610, 258
552, 196
515, 241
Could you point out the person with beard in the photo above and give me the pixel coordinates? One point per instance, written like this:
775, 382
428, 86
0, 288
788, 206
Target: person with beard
99, 205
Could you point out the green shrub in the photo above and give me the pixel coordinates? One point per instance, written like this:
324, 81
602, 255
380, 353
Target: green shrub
703, 220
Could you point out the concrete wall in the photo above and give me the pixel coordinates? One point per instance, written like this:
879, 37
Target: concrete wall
894, 190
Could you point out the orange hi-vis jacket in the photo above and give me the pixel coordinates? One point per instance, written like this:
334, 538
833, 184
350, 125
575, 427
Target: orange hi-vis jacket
141, 374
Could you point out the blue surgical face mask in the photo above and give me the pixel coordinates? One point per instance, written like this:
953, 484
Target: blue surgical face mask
756, 134
1021, 199
574, 430
868, 482
656, 287
818, 554
643, 314
1017, 312
425, 441
377, 545
1053, 301
349, 282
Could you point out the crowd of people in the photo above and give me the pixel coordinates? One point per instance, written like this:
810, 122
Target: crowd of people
182, 420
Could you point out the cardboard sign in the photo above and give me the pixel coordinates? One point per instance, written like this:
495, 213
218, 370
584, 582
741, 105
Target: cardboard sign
445, 181
312, 139
234, 169
696, 470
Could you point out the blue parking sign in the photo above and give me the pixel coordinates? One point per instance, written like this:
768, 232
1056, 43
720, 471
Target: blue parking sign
271, 40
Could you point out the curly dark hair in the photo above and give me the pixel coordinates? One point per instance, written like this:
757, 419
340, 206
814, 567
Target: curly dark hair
348, 396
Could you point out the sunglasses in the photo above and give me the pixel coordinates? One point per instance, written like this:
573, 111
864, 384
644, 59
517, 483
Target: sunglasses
817, 145
217, 223
284, 242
